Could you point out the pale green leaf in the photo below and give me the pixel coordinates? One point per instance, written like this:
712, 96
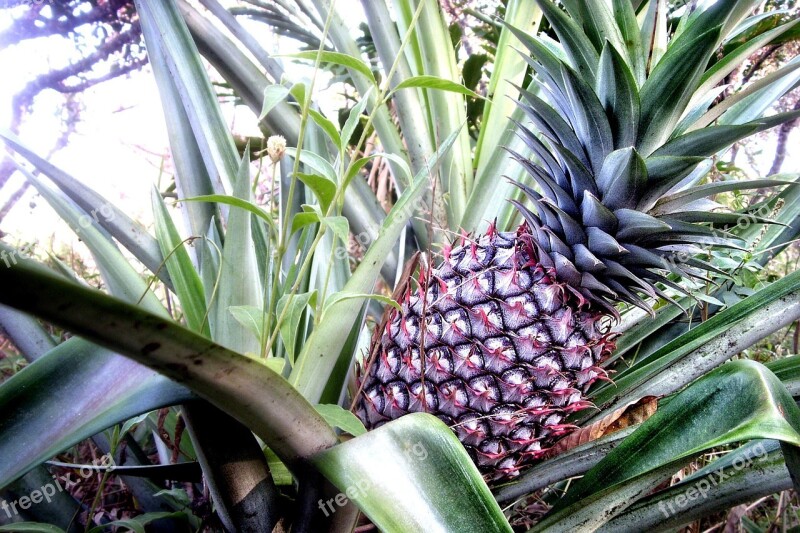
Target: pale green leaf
250, 317
353, 119
315, 162
327, 126
324, 189
273, 95
338, 417
336, 58
413, 474
298, 304
435, 82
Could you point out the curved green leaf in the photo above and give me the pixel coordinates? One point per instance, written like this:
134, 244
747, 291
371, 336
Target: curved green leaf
127, 231
273, 95
412, 474
746, 474
739, 401
704, 347
76, 390
236, 202
239, 385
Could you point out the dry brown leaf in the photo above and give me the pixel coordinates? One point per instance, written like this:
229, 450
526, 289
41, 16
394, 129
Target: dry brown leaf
633, 413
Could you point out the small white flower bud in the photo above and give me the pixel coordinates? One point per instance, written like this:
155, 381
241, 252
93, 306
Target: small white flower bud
276, 147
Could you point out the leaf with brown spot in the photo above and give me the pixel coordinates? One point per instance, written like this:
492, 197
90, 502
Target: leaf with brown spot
632, 414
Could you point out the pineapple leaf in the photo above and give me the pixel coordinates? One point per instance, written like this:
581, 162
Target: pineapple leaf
743, 475
188, 285
727, 64
591, 123
576, 44
674, 202
251, 392
412, 474
323, 346
671, 84
127, 231
165, 28
700, 349
625, 17
618, 94
77, 390
704, 142
116, 271
240, 282
745, 400
598, 23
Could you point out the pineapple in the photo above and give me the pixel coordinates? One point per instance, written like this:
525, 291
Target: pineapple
502, 338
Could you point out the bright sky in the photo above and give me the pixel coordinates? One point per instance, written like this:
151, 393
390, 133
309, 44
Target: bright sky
121, 139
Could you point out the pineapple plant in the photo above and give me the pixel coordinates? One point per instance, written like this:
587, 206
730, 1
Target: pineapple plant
502, 338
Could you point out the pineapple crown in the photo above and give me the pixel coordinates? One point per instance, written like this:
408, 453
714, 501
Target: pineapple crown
622, 139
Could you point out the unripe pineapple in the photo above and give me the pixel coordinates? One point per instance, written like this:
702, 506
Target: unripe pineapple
503, 337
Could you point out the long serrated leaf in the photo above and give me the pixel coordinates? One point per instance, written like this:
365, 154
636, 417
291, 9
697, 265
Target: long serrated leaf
162, 22
508, 71
187, 282
752, 101
191, 176
446, 109
625, 17
590, 120
744, 475
704, 347
239, 385
76, 390
578, 47
730, 61
667, 91
619, 95
412, 474
598, 23
245, 77
240, 282
118, 274
743, 398
674, 202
